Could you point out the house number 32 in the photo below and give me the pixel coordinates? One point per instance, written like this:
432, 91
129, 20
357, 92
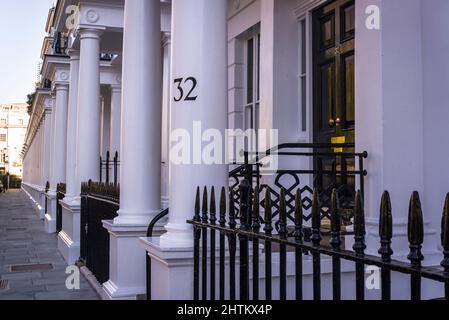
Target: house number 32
182, 86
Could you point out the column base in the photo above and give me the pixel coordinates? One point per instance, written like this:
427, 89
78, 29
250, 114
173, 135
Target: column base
177, 236
171, 270
50, 215
127, 280
69, 238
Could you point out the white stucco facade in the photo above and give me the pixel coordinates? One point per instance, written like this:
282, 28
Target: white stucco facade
128, 103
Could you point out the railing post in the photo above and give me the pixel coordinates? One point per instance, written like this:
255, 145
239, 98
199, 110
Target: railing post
116, 169
283, 234
445, 243
336, 244
222, 223
108, 159
256, 228
232, 246
213, 222
204, 220
359, 244
299, 235
316, 241
196, 248
416, 239
386, 234
268, 228
245, 224
101, 169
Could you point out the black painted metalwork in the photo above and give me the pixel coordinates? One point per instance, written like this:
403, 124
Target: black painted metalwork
106, 166
47, 188
150, 233
339, 177
99, 202
289, 236
60, 195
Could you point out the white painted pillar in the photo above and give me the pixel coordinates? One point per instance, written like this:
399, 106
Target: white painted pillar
71, 177
58, 167
140, 197
166, 101
140, 160
69, 237
106, 124
116, 118
88, 128
46, 150
199, 50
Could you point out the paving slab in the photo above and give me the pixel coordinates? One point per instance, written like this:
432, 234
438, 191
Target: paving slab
23, 241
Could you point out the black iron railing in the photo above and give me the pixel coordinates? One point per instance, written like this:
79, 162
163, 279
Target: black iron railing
250, 231
324, 168
60, 195
98, 202
150, 232
47, 188
109, 169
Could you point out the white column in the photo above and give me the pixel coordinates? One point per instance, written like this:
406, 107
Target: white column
88, 128
71, 178
58, 167
46, 149
116, 118
69, 238
199, 50
199, 44
140, 160
166, 101
106, 123
140, 197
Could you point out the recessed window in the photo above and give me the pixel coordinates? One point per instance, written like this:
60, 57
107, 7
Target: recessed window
2, 137
252, 75
303, 75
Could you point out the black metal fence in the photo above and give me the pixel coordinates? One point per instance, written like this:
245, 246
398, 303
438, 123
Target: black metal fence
109, 169
320, 167
245, 237
99, 202
47, 188
60, 195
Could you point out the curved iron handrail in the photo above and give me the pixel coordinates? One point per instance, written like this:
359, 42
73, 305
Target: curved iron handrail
150, 231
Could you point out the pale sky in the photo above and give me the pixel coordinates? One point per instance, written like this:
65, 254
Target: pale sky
22, 30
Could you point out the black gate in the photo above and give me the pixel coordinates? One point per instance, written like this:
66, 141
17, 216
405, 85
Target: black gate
98, 202
60, 194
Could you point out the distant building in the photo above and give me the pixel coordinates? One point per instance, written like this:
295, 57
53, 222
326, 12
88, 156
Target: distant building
14, 120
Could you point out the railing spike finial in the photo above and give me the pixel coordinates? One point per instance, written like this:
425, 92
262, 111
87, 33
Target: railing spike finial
283, 215
445, 235
359, 224
386, 227
316, 219
232, 223
335, 221
256, 211
223, 207
415, 230
268, 212
299, 216
204, 216
197, 216
213, 207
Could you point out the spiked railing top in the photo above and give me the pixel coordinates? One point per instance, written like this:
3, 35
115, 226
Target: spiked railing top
223, 207
256, 211
445, 225
299, 216
245, 195
415, 221
213, 207
282, 215
359, 225
204, 216
359, 216
386, 218
335, 215
316, 219
197, 216
232, 222
268, 212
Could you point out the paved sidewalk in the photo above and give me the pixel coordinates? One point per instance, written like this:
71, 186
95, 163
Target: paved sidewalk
23, 241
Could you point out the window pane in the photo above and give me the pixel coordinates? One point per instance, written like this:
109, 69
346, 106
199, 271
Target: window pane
250, 71
258, 67
303, 47
304, 104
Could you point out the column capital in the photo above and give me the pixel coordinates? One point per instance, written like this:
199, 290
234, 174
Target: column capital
166, 39
73, 54
116, 88
91, 33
